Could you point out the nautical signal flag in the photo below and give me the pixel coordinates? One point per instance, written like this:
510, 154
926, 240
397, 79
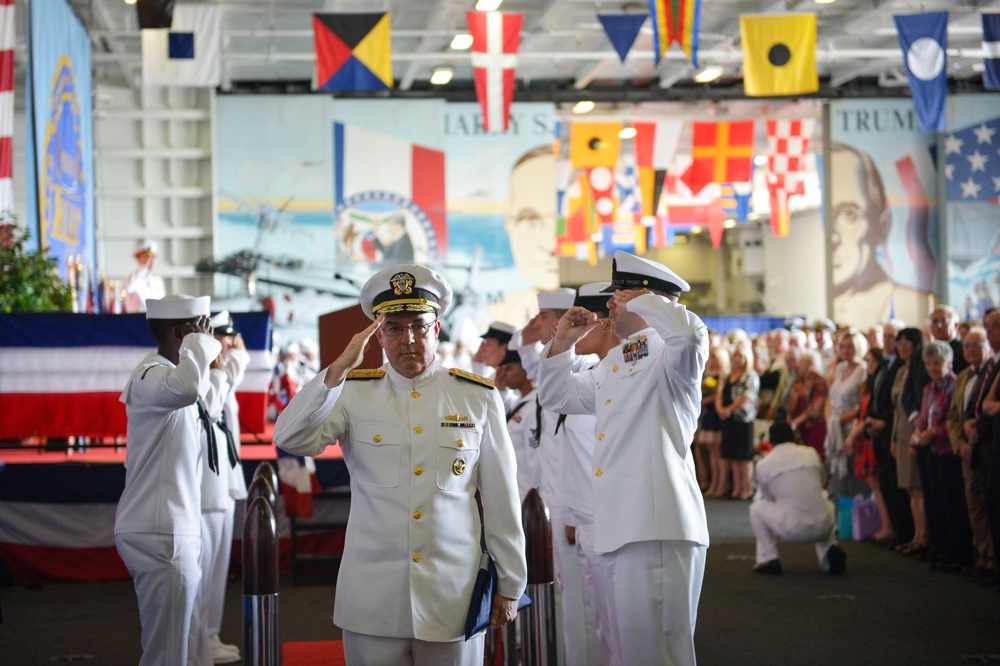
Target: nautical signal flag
7, 45
924, 38
188, 53
675, 21
991, 47
622, 29
779, 55
720, 153
353, 51
495, 38
594, 144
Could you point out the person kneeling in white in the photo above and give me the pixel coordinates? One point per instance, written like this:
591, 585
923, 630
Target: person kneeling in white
792, 505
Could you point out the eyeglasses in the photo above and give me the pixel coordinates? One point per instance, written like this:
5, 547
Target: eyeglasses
417, 328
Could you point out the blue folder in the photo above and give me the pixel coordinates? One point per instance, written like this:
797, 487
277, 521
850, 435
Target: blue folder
481, 603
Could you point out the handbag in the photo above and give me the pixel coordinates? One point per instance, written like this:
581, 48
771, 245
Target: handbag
481, 603
865, 520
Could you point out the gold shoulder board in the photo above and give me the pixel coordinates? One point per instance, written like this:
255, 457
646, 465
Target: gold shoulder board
369, 373
471, 377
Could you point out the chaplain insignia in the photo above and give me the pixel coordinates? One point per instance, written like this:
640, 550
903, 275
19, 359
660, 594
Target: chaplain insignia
402, 283
458, 467
634, 350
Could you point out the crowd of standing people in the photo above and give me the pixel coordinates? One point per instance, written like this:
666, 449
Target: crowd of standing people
904, 415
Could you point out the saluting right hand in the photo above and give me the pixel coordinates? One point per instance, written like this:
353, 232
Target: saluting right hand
352, 355
572, 327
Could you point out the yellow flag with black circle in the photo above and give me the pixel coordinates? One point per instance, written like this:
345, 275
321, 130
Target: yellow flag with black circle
779, 55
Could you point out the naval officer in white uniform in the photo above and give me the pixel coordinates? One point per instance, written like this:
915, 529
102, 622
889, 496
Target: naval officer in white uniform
649, 517
158, 520
419, 441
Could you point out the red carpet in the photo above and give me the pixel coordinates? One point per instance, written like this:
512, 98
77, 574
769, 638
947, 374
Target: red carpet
313, 653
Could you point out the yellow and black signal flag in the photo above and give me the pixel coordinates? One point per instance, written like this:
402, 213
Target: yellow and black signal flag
779, 55
594, 144
353, 51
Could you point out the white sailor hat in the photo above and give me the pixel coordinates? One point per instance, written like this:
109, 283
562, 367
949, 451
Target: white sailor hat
502, 332
177, 306
147, 247
593, 297
794, 322
222, 324
631, 272
405, 288
557, 299
824, 324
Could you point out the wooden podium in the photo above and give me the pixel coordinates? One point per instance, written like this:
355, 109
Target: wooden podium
336, 330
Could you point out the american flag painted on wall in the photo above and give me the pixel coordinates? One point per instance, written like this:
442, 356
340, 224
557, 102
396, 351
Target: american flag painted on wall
6, 104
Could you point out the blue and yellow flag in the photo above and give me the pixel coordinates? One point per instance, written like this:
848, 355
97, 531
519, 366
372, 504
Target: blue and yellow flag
353, 51
675, 21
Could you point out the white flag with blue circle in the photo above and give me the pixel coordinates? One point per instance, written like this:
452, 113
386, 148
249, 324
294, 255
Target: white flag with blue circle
924, 39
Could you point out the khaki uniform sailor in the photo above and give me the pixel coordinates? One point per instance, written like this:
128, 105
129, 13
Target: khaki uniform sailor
158, 519
419, 441
649, 517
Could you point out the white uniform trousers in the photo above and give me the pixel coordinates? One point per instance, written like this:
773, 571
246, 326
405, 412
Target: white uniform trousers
771, 521
580, 645
366, 650
593, 580
653, 593
217, 544
166, 575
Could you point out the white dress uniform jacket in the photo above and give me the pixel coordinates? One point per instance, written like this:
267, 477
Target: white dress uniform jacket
237, 362
163, 458
520, 426
647, 398
141, 285
417, 450
793, 505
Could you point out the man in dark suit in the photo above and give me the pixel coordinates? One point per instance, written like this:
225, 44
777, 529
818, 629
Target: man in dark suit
944, 327
879, 424
983, 429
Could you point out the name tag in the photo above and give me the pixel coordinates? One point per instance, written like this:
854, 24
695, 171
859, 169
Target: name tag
635, 349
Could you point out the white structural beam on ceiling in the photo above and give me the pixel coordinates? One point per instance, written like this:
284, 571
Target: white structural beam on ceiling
441, 17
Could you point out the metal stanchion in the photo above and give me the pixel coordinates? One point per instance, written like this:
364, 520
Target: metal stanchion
537, 623
261, 642
266, 470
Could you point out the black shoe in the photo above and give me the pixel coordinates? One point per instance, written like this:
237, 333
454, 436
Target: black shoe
838, 560
772, 568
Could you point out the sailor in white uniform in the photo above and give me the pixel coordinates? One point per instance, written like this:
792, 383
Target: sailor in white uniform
158, 519
524, 423
221, 488
649, 516
793, 505
141, 285
419, 442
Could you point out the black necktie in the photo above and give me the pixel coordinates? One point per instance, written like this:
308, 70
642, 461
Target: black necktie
213, 451
234, 456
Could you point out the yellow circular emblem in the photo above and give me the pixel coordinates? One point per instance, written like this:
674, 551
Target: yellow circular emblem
458, 467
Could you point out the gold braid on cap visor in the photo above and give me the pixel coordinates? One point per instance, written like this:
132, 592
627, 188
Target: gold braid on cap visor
405, 305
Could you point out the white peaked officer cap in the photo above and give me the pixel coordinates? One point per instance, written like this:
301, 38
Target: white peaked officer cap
405, 288
222, 324
148, 247
593, 297
631, 272
501, 331
557, 299
178, 306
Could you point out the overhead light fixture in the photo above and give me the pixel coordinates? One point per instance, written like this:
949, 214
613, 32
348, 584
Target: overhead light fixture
695, 230
488, 5
760, 160
709, 74
442, 76
823, 2
729, 224
584, 106
130, 2
627, 133
461, 42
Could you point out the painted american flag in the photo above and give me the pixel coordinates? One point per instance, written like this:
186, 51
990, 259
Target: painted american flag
972, 162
